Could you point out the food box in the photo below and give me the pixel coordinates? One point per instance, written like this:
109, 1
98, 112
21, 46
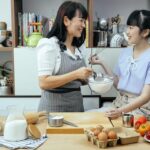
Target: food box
127, 135
124, 136
100, 144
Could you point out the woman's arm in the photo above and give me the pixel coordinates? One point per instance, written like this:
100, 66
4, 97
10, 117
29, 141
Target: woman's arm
137, 103
48, 82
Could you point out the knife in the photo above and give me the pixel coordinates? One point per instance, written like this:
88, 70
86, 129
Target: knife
69, 123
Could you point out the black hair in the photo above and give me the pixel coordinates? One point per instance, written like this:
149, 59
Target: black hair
140, 18
68, 9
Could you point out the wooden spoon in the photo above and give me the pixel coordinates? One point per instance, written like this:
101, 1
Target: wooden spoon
34, 131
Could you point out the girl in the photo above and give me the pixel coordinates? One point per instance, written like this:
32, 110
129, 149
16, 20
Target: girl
61, 67
132, 73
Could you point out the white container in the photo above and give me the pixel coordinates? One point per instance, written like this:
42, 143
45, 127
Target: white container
102, 86
16, 126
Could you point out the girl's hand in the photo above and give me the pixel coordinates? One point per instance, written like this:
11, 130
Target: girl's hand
83, 73
94, 59
113, 114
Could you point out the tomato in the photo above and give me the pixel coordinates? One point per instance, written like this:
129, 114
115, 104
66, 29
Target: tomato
140, 121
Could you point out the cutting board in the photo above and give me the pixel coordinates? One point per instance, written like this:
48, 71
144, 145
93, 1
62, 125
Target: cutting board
82, 120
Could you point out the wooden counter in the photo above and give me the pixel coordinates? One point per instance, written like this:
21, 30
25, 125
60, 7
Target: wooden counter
79, 141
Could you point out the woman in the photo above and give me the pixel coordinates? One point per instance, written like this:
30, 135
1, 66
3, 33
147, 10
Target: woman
132, 73
61, 66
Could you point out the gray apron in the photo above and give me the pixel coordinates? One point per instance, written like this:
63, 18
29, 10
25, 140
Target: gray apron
64, 101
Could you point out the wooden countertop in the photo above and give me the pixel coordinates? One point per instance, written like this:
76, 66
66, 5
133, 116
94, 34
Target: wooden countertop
79, 141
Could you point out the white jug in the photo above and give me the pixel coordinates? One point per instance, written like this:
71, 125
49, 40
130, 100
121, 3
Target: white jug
16, 126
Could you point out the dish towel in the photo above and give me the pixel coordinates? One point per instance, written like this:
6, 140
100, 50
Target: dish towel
27, 144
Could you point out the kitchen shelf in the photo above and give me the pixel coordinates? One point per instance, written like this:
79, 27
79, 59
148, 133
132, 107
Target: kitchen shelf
6, 49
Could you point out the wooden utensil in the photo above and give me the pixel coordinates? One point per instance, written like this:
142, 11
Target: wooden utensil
110, 121
33, 117
34, 131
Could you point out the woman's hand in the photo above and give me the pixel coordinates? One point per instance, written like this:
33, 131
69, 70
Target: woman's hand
83, 73
113, 114
95, 60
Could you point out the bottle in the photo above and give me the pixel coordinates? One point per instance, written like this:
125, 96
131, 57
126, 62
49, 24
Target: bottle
16, 126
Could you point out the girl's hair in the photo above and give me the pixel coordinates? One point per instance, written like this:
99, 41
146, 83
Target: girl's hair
69, 9
140, 18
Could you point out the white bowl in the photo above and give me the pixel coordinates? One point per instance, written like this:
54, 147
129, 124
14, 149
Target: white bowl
102, 86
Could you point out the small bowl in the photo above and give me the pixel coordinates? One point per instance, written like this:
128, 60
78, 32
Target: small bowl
55, 121
101, 86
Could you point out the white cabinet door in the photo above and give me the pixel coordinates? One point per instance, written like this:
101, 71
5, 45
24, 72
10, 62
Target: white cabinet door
26, 76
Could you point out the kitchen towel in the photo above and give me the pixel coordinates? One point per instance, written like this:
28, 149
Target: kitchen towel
28, 143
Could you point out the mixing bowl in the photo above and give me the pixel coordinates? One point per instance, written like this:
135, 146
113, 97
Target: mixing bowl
101, 85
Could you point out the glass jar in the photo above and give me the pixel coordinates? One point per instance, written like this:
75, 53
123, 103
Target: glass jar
16, 126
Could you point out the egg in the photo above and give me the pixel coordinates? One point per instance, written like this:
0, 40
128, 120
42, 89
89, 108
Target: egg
93, 129
112, 134
96, 132
102, 136
105, 130
100, 127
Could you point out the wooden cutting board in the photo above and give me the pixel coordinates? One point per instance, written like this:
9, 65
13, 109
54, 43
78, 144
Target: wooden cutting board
82, 120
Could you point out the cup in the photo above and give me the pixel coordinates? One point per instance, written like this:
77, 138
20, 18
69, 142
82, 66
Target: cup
128, 120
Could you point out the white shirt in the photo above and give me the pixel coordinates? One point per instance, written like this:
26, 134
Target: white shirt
49, 58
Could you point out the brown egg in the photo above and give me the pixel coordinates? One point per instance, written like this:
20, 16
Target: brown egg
96, 132
93, 129
102, 136
112, 135
100, 127
105, 130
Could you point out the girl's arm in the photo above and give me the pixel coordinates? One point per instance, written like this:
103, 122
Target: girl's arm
95, 60
137, 103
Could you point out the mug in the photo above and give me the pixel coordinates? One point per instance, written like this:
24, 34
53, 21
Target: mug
128, 120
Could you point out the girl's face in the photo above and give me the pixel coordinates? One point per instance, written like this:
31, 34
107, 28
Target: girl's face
133, 33
75, 26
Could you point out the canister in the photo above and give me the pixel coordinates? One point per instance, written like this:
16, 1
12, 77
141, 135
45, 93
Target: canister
128, 120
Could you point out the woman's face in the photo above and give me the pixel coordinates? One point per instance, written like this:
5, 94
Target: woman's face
76, 25
133, 33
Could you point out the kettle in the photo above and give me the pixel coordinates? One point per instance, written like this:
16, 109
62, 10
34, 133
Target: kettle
33, 39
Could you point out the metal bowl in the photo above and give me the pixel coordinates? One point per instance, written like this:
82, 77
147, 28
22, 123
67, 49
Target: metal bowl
102, 85
55, 121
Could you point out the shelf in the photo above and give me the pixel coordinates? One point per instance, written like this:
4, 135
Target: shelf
6, 49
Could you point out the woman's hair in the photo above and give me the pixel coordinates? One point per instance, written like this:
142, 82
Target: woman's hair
140, 18
69, 9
